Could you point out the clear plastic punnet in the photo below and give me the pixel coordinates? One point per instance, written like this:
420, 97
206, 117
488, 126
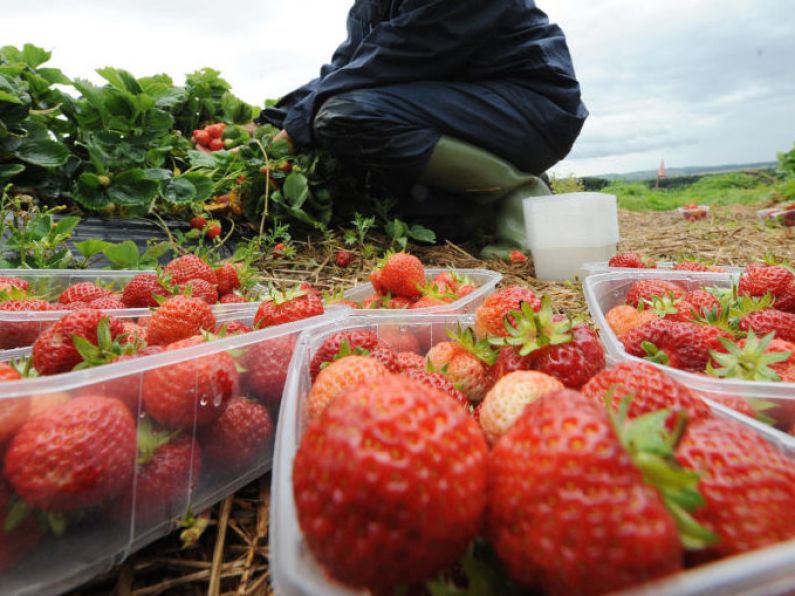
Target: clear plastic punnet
603, 291
294, 570
21, 328
596, 267
485, 281
132, 447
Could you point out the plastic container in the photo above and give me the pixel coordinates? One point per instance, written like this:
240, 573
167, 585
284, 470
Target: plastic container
295, 572
693, 212
567, 230
485, 281
595, 267
780, 215
606, 290
103, 529
20, 329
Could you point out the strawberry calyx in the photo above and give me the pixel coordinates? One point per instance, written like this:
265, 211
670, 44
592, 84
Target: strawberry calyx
742, 306
750, 362
651, 446
279, 297
150, 440
431, 290
663, 305
193, 527
344, 351
530, 331
654, 354
480, 349
106, 350
15, 293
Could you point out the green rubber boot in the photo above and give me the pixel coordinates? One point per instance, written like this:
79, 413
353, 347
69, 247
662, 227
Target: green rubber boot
489, 182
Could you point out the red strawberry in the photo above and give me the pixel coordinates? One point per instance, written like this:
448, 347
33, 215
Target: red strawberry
127, 388
195, 390
770, 320
20, 536
646, 290
696, 266
215, 130
489, 315
75, 456
517, 256
439, 381
227, 279
735, 402
399, 339
402, 275
746, 482
13, 411
231, 328
506, 401
568, 511
214, 227
240, 440
107, 303
388, 358
82, 292
375, 281
343, 258
6, 283
508, 361
696, 304
198, 288
168, 467
337, 378
651, 390
465, 363
179, 317
198, 222
410, 360
627, 259
79, 305
216, 144
188, 267
54, 351
357, 338
266, 364
18, 334
367, 511
278, 249
426, 302
8, 372
232, 298
759, 279
141, 290
573, 362
287, 307
398, 302
132, 333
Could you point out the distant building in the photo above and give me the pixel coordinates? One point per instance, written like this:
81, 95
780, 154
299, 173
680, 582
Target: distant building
661, 172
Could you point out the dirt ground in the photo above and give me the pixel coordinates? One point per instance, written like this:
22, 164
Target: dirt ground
231, 556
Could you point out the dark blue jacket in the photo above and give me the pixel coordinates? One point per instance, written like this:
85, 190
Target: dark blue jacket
398, 41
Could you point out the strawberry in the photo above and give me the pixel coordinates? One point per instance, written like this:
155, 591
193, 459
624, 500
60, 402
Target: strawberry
489, 315
21, 531
646, 290
508, 360
628, 259
188, 267
755, 359
373, 301
141, 290
213, 228
168, 466
770, 320
365, 506
517, 256
402, 275
179, 317
8, 373
266, 364
375, 281
465, 362
759, 279
240, 440
13, 411
18, 334
82, 292
127, 388
54, 351
746, 482
215, 130
201, 137
227, 279
569, 511
410, 360
735, 402
427, 302
399, 339
79, 305
573, 362
398, 302
505, 401
195, 390
7, 283
343, 258
278, 249
109, 302
439, 381
132, 333
685, 346
198, 288
232, 298
651, 390
76, 456
338, 377
697, 304
696, 266
388, 358
287, 307
231, 328
198, 222
215, 145
624, 317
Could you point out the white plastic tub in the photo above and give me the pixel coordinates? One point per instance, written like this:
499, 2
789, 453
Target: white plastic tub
484, 280
603, 291
115, 528
295, 572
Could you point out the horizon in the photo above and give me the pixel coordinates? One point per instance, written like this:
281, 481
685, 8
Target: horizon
669, 167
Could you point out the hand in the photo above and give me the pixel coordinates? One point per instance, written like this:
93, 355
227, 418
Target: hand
283, 135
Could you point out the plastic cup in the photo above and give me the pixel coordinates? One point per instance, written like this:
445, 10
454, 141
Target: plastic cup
566, 231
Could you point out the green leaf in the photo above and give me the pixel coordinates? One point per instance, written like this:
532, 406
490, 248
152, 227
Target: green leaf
422, 234
120, 79
153, 253
201, 160
54, 76
34, 56
40, 226
295, 190
91, 247
42, 152
9, 97
67, 225
179, 191
157, 119
9, 170
132, 188
202, 183
88, 192
158, 174
123, 255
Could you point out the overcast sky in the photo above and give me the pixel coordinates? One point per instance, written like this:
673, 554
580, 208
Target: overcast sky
693, 82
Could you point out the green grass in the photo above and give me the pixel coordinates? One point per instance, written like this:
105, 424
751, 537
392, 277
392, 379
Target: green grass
723, 189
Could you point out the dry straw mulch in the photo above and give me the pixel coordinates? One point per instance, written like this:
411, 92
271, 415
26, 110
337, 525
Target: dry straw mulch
231, 557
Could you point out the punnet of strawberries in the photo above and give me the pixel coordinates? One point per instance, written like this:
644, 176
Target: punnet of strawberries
188, 275
509, 459
165, 429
